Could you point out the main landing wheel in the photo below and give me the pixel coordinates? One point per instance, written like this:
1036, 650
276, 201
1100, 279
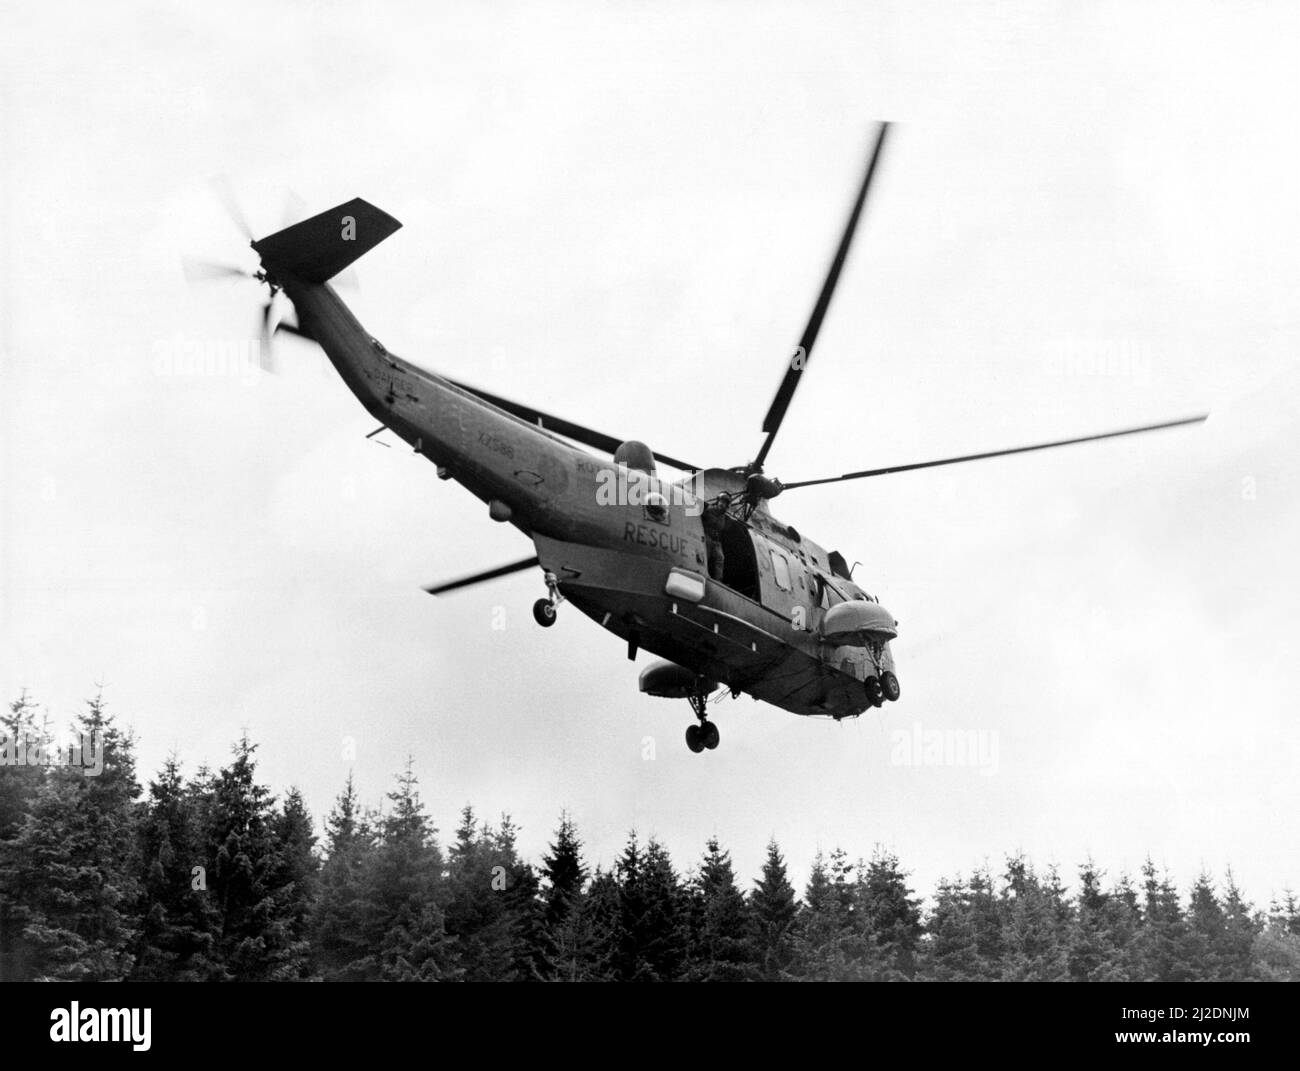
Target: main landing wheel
705, 734
701, 736
695, 738
891, 687
544, 612
875, 693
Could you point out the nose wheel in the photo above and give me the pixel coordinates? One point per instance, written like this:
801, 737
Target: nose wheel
705, 734
880, 688
884, 685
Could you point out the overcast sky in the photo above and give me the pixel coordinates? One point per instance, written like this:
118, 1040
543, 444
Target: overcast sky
622, 213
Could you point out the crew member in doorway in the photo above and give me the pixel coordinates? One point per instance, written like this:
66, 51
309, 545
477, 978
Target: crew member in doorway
714, 519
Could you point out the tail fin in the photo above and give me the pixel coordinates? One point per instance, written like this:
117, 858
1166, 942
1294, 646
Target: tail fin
319, 248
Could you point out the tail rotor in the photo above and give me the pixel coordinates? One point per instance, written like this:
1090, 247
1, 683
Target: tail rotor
200, 271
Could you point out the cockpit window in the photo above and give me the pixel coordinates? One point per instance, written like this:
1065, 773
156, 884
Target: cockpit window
839, 566
818, 589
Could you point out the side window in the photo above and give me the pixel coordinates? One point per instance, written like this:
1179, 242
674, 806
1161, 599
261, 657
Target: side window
781, 571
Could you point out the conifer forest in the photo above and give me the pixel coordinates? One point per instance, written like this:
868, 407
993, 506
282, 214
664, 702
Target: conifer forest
212, 876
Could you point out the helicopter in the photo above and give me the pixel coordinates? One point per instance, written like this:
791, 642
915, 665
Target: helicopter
695, 570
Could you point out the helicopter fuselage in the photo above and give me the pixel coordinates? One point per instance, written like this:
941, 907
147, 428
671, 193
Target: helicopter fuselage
613, 554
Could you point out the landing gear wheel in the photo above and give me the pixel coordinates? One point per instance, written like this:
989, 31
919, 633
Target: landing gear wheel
889, 683
705, 734
695, 738
544, 612
875, 693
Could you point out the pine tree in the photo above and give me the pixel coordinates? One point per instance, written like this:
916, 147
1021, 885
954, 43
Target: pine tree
1276, 952
23, 737
773, 909
856, 951
1220, 935
627, 963
602, 912
1089, 940
652, 915
240, 849
563, 872
567, 933
179, 923
819, 924
338, 918
1286, 913
521, 904
1059, 906
1203, 935
1162, 937
721, 939
71, 867
404, 895
1034, 942
492, 912
576, 949
292, 882
471, 909
260, 870
986, 919
21, 733
824, 945
891, 917
1122, 949
1241, 929
663, 925
951, 950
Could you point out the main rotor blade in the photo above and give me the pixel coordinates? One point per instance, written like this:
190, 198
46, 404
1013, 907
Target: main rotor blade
491, 574
799, 361
995, 453
202, 271
294, 210
221, 185
567, 428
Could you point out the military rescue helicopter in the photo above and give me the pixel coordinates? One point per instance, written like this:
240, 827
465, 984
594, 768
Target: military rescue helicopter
750, 606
